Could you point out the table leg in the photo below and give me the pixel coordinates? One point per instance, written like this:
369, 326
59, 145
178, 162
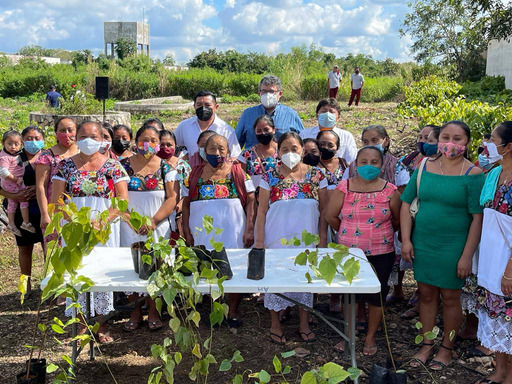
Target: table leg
346, 318
74, 343
88, 316
352, 331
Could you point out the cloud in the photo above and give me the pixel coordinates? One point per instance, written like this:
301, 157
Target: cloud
187, 27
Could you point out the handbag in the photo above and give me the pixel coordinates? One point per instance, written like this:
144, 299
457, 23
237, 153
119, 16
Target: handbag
415, 205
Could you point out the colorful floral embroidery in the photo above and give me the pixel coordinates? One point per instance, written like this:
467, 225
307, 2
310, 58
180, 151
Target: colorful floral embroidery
334, 178
91, 183
149, 182
216, 189
494, 305
502, 199
286, 189
257, 165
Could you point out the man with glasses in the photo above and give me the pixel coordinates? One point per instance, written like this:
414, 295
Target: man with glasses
285, 118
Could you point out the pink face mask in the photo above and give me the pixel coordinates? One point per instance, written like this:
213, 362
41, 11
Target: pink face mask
451, 150
65, 139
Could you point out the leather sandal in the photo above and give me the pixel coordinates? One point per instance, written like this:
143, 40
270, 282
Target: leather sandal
436, 365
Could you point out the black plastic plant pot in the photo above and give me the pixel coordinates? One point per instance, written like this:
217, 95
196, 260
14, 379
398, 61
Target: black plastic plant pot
39, 368
21, 378
221, 263
145, 269
398, 377
256, 266
379, 375
202, 253
135, 259
389, 364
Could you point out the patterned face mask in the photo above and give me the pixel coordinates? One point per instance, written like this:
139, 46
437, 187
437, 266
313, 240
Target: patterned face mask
451, 150
147, 149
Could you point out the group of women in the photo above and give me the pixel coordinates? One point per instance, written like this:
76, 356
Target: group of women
285, 185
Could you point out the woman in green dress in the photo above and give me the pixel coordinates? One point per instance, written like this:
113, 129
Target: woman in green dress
446, 233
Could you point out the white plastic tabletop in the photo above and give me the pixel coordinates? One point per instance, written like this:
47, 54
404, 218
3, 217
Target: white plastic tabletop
111, 270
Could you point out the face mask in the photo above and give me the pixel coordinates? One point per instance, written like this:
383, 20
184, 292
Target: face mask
326, 153
311, 159
451, 150
215, 160
89, 146
105, 146
291, 159
326, 120
147, 149
492, 150
429, 149
265, 138
357, 72
119, 146
368, 172
202, 153
269, 100
483, 162
65, 139
420, 146
381, 148
204, 113
165, 153
33, 147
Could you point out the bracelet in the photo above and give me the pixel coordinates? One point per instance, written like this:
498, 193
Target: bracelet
507, 278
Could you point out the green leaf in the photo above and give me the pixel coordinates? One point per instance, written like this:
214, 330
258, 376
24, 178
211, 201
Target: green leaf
208, 224
327, 268
418, 325
174, 324
195, 317
308, 277
350, 269
288, 354
41, 327
263, 376
418, 339
309, 238
177, 357
57, 329
67, 359
277, 364
339, 247
308, 378
284, 241
158, 305
196, 351
287, 370
339, 256
217, 245
225, 365
451, 335
334, 373
218, 231
301, 259
237, 356
50, 368
238, 379
169, 294
313, 257
354, 373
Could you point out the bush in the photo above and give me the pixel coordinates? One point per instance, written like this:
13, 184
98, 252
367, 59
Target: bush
489, 88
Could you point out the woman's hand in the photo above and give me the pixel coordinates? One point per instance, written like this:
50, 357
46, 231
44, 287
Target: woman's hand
407, 251
464, 267
146, 228
45, 221
506, 285
19, 196
189, 238
248, 238
30, 192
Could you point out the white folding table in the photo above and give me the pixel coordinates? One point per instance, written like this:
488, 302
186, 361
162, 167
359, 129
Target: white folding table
111, 270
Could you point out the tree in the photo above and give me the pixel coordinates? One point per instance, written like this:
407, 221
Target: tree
169, 60
125, 47
446, 32
81, 57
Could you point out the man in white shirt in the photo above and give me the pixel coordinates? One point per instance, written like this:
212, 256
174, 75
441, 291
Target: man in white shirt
328, 113
188, 131
357, 83
333, 82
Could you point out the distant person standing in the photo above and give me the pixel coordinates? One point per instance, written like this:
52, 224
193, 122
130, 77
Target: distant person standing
333, 82
52, 97
356, 82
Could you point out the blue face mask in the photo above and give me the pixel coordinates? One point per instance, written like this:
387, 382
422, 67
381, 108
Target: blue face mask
484, 162
327, 119
33, 147
381, 148
215, 160
368, 172
429, 149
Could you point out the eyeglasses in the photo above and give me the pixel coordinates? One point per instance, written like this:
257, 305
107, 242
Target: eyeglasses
271, 91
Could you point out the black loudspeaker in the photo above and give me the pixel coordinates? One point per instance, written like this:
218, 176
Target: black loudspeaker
102, 87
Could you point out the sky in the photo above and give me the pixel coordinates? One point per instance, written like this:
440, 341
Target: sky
184, 28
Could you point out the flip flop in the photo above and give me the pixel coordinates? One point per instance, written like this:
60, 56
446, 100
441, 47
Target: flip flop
280, 337
131, 326
312, 319
154, 325
410, 314
475, 352
487, 381
340, 346
436, 365
307, 339
367, 351
234, 322
105, 338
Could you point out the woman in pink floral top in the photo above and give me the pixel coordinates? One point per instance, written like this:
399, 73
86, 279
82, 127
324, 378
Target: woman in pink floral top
369, 208
48, 162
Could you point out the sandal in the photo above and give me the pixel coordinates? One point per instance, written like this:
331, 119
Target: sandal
475, 352
14, 230
410, 314
307, 334
281, 341
234, 322
371, 350
312, 319
417, 362
340, 347
104, 338
361, 326
131, 326
154, 325
487, 381
436, 365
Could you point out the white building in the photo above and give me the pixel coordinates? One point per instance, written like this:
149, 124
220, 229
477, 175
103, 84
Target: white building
499, 60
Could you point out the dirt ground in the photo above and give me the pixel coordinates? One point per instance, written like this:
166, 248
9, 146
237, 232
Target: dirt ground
129, 357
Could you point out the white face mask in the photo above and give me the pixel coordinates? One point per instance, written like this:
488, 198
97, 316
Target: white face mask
494, 156
105, 146
291, 159
89, 146
269, 100
202, 153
